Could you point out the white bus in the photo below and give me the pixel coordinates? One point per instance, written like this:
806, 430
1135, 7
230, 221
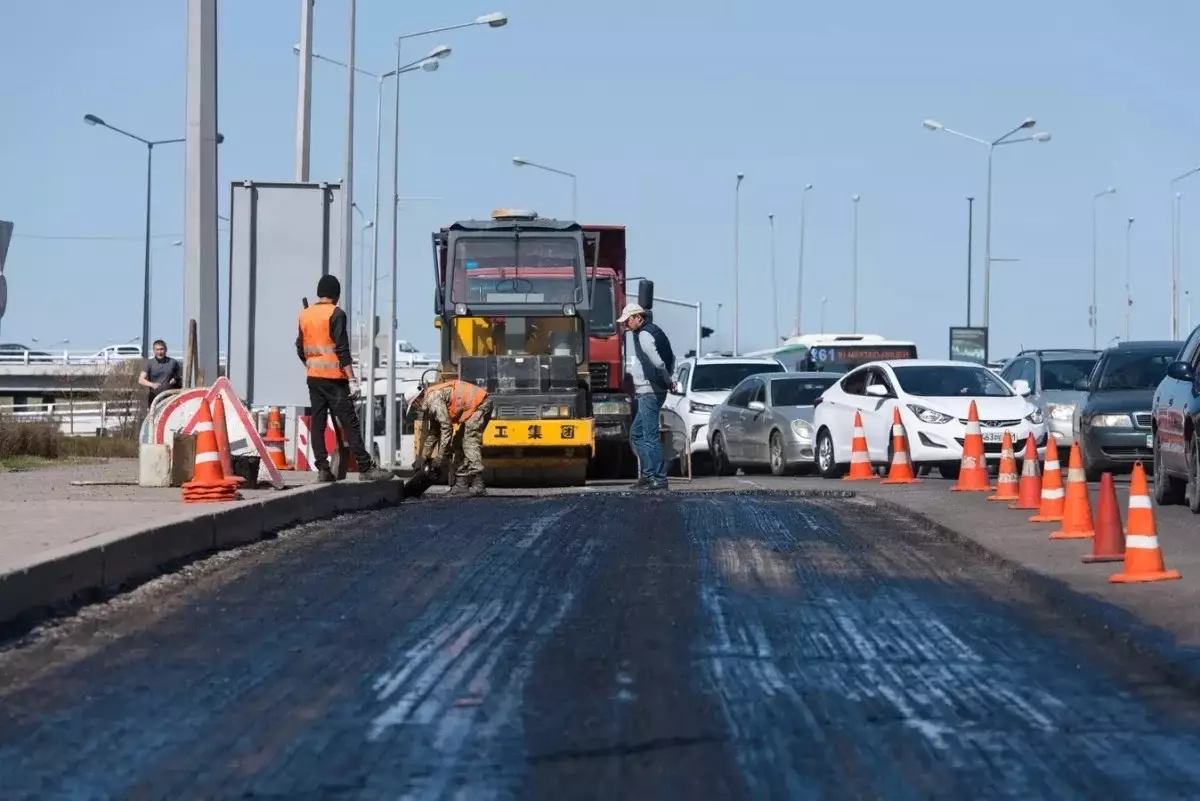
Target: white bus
837, 353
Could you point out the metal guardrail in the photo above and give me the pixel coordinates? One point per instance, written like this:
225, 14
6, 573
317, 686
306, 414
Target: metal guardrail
77, 418
72, 357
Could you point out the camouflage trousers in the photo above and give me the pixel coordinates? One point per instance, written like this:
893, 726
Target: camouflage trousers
467, 445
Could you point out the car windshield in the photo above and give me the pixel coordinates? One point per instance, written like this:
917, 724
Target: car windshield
1063, 373
950, 381
1134, 370
798, 391
721, 377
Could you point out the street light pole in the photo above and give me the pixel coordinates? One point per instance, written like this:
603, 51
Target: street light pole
1044, 136
737, 250
854, 274
970, 248
800, 268
1128, 274
348, 181
1094, 317
774, 284
520, 162
304, 94
1177, 249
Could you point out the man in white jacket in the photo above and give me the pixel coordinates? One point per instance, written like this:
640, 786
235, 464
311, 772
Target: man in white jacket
651, 370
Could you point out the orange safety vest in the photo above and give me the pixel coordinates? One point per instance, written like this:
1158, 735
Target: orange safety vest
465, 398
320, 361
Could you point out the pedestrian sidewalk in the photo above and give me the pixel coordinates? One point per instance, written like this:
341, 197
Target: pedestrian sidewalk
71, 529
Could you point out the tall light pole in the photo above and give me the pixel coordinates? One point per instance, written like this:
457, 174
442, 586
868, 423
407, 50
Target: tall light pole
1026, 124
823, 299
737, 252
348, 181
854, 274
800, 266
1177, 248
774, 284
520, 162
92, 119
428, 64
1093, 311
494, 20
1128, 274
304, 92
970, 248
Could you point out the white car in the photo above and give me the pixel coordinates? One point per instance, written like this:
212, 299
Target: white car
701, 384
934, 398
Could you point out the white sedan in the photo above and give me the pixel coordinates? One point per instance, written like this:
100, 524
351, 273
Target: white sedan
934, 399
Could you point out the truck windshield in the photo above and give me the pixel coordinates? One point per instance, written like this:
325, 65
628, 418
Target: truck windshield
604, 310
517, 336
510, 269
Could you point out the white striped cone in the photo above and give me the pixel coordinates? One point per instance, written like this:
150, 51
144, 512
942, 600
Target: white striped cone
855, 455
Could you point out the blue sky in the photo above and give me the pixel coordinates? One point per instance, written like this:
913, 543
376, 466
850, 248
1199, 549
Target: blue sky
656, 106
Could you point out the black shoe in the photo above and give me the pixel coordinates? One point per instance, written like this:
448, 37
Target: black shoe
325, 476
657, 485
641, 483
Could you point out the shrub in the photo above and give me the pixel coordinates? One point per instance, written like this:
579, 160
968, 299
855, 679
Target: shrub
43, 439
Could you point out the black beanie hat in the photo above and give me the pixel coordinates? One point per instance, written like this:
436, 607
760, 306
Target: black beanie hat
329, 287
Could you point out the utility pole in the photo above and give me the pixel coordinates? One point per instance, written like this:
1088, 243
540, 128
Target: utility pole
774, 285
970, 248
1128, 274
304, 95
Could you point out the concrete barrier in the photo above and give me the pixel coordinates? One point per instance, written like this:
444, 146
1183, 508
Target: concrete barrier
95, 566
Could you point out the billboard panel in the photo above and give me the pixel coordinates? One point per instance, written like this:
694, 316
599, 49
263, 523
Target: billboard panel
969, 344
282, 238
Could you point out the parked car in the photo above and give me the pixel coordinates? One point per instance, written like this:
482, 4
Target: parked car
1113, 423
767, 420
934, 399
1174, 414
1052, 375
701, 384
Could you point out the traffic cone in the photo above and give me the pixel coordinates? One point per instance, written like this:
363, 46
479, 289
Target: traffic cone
275, 440
1029, 490
1053, 494
1077, 511
860, 458
1109, 543
972, 471
208, 484
900, 470
1143, 559
221, 430
1006, 483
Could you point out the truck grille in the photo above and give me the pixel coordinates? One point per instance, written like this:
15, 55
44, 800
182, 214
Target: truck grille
1142, 419
516, 411
599, 372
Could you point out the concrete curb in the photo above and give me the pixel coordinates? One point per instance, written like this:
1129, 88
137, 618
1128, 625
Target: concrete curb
1151, 645
108, 562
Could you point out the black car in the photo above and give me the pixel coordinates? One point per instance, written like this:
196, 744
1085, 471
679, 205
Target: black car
1114, 423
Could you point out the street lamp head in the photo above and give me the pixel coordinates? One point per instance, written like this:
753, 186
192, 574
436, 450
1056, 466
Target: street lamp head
520, 162
92, 119
855, 198
1112, 190
933, 125
740, 176
1044, 136
430, 65
296, 49
770, 217
807, 187
497, 19
1028, 123
220, 139
441, 51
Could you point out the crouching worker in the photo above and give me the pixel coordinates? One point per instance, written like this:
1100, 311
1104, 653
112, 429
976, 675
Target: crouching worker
443, 406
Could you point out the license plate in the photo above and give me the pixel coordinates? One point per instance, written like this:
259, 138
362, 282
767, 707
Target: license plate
1149, 440
993, 436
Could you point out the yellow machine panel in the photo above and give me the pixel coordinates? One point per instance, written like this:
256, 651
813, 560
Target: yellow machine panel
539, 433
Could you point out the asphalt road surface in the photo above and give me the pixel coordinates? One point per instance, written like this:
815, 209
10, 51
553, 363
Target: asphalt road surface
606, 646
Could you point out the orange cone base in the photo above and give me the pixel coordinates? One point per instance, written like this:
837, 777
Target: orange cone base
212, 485
1092, 558
999, 497
1140, 578
1046, 519
1072, 535
1028, 507
860, 478
972, 489
901, 481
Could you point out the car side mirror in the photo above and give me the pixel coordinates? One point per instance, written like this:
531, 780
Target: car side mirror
1082, 384
646, 293
1022, 387
756, 406
1181, 371
877, 391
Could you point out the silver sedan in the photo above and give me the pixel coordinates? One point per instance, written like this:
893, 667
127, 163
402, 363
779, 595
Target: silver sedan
767, 421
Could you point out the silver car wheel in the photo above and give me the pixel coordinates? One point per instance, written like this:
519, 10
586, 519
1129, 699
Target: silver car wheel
825, 453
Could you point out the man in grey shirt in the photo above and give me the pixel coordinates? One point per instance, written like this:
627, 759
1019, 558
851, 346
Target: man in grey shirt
160, 373
651, 370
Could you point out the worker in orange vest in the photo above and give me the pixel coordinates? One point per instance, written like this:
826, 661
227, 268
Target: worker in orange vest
443, 406
324, 346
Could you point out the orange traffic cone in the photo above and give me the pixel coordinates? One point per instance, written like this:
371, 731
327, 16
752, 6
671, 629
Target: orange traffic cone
900, 470
973, 472
208, 484
1006, 484
1077, 512
1143, 559
1029, 490
275, 440
1109, 543
1053, 494
221, 430
860, 458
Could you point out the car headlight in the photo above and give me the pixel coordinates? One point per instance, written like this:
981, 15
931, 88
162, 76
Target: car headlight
1035, 416
802, 429
695, 407
611, 407
929, 415
1112, 421
1060, 411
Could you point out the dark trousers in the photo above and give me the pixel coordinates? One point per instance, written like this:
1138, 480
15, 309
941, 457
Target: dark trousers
328, 396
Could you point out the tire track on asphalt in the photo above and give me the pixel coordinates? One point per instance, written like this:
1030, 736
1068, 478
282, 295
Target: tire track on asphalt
890, 667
